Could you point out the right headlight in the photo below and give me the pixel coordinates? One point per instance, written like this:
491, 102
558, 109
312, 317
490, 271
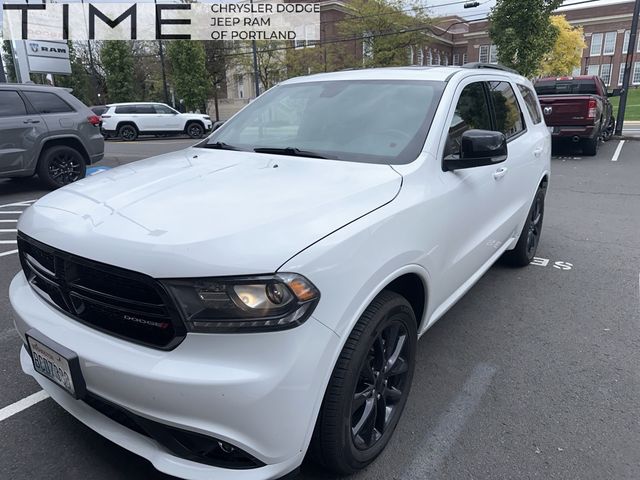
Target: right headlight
244, 304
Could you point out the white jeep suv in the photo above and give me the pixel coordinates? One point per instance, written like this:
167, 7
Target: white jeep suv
129, 120
222, 309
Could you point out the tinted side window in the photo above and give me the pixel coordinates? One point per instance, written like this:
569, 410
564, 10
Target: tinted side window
531, 101
126, 109
507, 111
162, 109
46, 102
145, 110
472, 112
11, 105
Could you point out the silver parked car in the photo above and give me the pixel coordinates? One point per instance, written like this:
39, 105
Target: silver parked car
47, 131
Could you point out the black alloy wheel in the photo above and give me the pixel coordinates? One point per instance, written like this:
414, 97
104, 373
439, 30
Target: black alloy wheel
527, 246
369, 386
381, 384
534, 226
195, 130
128, 133
61, 165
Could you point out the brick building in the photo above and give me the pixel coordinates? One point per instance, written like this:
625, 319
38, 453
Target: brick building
606, 31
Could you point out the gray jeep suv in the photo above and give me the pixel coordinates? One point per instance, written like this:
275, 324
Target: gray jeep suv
48, 131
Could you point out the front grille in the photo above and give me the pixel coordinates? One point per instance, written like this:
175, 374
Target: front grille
120, 302
182, 443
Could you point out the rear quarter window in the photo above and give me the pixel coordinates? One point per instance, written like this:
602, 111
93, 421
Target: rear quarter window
531, 101
47, 102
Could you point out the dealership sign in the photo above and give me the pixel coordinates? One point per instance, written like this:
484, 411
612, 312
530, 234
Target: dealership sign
274, 20
48, 57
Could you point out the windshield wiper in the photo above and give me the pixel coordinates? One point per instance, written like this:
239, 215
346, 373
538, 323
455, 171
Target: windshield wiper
295, 152
221, 146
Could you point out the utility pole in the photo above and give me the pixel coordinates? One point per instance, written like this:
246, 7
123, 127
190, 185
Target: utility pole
164, 73
3, 76
256, 73
631, 48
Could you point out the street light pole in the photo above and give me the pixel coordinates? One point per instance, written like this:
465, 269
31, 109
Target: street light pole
256, 73
631, 48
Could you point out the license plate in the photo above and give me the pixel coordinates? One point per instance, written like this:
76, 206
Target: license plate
57, 363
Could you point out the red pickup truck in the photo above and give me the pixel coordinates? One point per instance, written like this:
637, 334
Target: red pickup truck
578, 108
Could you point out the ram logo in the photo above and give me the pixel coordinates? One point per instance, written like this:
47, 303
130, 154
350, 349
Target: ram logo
34, 47
548, 110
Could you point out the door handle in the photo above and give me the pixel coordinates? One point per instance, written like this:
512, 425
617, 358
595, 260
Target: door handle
31, 121
538, 151
501, 172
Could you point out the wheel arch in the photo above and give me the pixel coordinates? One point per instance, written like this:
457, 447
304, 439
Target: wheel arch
191, 121
122, 123
68, 141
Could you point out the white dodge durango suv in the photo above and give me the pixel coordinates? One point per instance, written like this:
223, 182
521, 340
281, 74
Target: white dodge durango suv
128, 120
224, 309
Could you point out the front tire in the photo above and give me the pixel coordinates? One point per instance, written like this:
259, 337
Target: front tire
61, 165
527, 246
369, 387
195, 130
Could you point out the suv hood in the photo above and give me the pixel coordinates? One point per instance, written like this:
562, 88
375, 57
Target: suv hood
195, 116
205, 212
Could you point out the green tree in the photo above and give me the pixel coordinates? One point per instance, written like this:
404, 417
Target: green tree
567, 50
523, 32
389, 29
117, 62
78, 81
189, 73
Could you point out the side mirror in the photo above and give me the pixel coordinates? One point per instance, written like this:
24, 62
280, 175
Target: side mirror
217, 125
615, 93
478, 148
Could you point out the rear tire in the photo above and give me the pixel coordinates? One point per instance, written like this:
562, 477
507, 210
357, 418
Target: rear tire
609, 130
525, 250
369, 387
590, 146
61, 165
128, 133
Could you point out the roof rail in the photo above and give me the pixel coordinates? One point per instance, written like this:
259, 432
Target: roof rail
492, 66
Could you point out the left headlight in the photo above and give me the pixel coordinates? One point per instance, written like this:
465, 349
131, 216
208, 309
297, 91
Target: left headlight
244, 304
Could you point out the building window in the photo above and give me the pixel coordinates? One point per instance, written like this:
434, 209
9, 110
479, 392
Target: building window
429, 58
464, 59
484, 54
576, 72
593, 70
456, 59
623, 66
605, 73
625, 43
436, 58
596, 44
636, 73
420, 56
493, 56
609, 43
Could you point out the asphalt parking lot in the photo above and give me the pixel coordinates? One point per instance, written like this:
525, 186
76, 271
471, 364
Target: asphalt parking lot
533, 374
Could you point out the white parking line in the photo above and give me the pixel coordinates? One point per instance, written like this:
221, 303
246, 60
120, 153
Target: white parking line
616, 154
10, 252
6, 212
8, 230
436, 444
8, 221
23, 404
8, 242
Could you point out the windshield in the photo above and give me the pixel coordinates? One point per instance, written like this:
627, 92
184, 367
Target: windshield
373, 121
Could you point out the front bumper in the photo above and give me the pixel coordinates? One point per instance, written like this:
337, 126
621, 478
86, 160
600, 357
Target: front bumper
258, 392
